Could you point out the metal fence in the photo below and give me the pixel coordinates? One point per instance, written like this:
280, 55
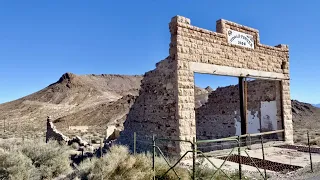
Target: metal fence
237, 151
234, 149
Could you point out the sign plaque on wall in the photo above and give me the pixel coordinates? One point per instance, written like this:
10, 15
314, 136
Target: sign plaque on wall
240, 39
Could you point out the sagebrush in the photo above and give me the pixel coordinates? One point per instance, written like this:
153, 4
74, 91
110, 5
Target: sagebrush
119, 164
36, 160
33, 160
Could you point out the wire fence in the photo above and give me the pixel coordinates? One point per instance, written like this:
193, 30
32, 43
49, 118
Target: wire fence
247, 152
259, 153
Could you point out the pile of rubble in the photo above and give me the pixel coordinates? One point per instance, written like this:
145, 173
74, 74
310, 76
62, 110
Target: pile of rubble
85, 149
53, 134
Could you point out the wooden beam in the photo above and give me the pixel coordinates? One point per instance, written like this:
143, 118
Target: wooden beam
242, 106
235, 72
234, 138
245, 103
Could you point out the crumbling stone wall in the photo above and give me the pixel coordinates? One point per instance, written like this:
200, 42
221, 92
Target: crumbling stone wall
220, 116
261, 93
153, 112
53, 134
166, 103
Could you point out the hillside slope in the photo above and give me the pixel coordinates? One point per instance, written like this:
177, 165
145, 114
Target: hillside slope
72, 97
102, 100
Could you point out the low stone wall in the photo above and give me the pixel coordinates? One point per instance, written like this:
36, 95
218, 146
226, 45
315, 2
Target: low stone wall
53, 134
79, 128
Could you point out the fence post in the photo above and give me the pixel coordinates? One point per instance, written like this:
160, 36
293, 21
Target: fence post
101, 141
194, 158
154, 156
134, 143
263, 158
310, 152
101, 171
239, 156
82, 154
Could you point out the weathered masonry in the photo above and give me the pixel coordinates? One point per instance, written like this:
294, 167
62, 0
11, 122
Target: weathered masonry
220, 116
166, 103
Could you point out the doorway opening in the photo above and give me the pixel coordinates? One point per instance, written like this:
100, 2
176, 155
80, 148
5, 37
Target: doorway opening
227, 106
217, 107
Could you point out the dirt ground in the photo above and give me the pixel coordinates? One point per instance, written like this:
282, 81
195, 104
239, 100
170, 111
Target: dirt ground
275, 154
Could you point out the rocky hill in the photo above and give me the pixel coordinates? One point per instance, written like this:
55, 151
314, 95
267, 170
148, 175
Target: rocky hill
72, 100
99, 100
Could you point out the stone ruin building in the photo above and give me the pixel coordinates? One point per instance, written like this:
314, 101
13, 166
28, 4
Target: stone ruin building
166, 103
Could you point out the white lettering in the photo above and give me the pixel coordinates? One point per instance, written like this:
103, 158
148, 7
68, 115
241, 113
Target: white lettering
241, 39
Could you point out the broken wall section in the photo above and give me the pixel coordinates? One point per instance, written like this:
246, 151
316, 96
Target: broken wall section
264, 106
154, 111
53, 134
220, 116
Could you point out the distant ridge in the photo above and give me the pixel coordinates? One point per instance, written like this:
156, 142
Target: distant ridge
316, 105
100, 100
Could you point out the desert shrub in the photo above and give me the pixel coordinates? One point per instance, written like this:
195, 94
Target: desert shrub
119, 164
10, 144
85, 168
32, 159
96, 134
51, 159
75, 146
315, 142
15, 165
204, 172
95, 141
162, 167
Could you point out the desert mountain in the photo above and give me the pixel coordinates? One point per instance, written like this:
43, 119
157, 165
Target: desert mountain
97, 100
316, 105
305, 115
73, 100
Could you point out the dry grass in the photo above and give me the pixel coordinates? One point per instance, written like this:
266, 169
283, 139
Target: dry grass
15, 165
33, 159
38, 160
118, 164
300, 136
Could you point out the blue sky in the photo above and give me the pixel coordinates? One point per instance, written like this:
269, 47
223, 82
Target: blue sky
41, 40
